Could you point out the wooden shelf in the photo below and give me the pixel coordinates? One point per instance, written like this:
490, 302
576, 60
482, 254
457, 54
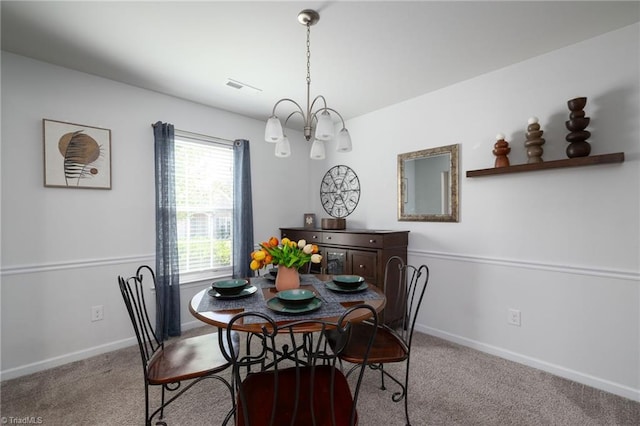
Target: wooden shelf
617, 157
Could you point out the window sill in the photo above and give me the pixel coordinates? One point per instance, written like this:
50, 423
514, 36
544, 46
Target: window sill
199, 279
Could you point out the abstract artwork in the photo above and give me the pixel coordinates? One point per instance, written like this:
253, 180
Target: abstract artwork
76, 156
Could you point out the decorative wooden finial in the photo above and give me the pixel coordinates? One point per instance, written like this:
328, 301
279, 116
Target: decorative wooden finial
534, 141
577, 123
500, 150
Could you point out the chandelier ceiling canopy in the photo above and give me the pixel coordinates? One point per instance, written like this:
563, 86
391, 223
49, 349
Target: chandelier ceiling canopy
317, 116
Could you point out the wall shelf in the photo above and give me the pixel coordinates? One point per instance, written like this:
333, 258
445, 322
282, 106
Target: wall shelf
617, 157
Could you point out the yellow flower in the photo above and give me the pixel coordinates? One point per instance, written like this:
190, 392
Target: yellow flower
289, 253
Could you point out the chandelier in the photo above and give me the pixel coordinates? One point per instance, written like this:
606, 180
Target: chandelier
320, 117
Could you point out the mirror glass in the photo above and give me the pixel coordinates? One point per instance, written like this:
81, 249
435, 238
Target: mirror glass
428, 185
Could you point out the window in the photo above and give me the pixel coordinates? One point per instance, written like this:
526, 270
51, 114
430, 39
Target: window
204, 205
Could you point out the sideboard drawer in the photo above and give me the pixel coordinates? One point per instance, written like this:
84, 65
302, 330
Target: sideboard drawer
311, 237
355, 240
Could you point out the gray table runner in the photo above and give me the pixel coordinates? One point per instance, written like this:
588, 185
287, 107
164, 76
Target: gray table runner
256, 302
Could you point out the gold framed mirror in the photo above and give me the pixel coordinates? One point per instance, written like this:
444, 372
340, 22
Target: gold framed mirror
428, 185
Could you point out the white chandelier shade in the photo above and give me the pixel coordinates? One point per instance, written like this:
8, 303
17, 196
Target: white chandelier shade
317, 150
344, 141
318, 122
324, 127
283, 148
273, 132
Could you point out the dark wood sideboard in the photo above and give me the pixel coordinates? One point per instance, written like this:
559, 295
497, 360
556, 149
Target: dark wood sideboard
361, 252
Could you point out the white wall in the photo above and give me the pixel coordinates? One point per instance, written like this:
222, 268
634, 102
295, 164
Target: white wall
559, 245
62, 249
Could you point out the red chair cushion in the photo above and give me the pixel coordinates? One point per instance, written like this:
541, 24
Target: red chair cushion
260, 391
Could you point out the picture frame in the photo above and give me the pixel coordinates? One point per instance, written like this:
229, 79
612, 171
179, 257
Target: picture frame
309, 220
76, 155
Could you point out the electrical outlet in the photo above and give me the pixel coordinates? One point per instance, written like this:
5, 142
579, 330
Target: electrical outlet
97, 313
513, 317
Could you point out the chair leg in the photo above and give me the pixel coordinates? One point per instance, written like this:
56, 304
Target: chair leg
406, 392
379, 367
404, 388
162, 406
147, 420
382, 386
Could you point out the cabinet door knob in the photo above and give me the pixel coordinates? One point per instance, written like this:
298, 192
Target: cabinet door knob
328, 238
315, 237
372, 241
361, 266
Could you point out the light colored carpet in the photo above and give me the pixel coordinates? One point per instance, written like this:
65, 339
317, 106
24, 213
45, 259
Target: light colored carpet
450, 385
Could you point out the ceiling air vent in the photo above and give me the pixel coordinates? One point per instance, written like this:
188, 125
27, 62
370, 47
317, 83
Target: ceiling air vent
242, 86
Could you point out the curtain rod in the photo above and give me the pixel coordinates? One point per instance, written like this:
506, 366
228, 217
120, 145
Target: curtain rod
214, 139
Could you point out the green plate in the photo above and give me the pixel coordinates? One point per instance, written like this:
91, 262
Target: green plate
229, 287
348, 281
276, 305
247, 291
334, 287
295, 297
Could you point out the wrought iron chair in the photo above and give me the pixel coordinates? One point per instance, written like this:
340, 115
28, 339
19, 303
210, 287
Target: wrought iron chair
392, 344
306, 388
186, 360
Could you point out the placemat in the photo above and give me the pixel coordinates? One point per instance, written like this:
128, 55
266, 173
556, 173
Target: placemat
256, 302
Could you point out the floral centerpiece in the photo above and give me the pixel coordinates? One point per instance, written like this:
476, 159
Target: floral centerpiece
287, 255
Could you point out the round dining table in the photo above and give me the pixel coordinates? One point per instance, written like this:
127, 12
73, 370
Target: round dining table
219, 313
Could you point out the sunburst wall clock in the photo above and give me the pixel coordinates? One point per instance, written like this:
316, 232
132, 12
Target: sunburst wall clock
340, 191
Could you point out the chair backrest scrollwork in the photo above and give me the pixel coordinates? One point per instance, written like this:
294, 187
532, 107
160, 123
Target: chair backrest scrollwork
132, 290
300, 380
411, 283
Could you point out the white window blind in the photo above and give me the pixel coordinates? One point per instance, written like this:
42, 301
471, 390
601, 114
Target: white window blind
204, 203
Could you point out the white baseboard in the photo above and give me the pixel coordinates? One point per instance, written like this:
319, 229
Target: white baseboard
46, 364
576, 376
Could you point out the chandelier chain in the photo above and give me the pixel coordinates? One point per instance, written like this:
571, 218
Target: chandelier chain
320, 119
308, 54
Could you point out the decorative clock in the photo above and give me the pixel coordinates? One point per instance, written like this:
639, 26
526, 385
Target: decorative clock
340, 191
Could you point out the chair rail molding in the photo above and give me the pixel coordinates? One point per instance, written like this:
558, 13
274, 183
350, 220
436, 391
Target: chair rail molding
514, 263
76, 264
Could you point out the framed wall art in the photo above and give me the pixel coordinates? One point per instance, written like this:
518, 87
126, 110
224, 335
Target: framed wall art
76, 155
309, 220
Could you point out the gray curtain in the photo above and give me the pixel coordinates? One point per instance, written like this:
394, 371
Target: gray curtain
167, 273
242, 210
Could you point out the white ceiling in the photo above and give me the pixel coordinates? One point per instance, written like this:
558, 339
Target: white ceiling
364, 55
